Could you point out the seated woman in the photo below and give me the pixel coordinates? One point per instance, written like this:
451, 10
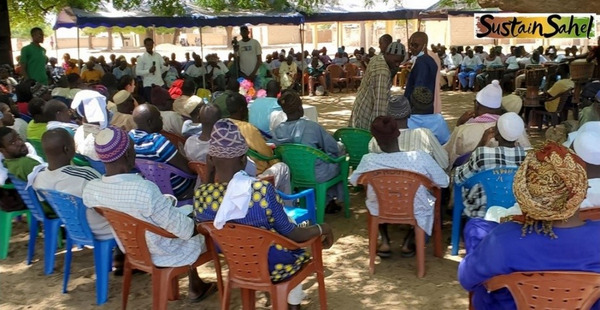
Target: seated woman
549, 186
302, 131
260, 205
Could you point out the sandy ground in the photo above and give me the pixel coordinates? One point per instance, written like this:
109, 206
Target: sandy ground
349, 285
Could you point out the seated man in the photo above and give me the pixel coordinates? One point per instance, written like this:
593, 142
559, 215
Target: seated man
469, 67
472, 124
122, 117
91, 106
188, 97
60, 175
287, 72
508, 153
302, 131
92, 74
196, 146
151, 145
591, 113
419, 139
37, 126
161, 99
587, 146
130, 193
227, 153
422, 116
554, 93
233, 87
385, 130
216, 71
549, 187
58, 115
196, 71
261, 109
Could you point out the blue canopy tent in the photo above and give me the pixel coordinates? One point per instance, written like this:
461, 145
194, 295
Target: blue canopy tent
379, 10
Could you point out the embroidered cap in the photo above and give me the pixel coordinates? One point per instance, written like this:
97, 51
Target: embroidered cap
226, 140
111, 144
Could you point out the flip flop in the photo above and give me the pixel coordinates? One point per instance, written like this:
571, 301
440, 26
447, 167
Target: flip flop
209, 291
384, 254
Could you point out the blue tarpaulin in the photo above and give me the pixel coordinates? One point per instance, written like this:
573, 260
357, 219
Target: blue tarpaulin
347, 11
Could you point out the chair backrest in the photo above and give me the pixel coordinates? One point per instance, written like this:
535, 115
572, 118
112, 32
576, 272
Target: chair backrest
335, 71
356, 141
396, 190
301, 160
246, 250
97, 165
131, 232
351, 70
497, 184
200, 169
80, 160
549, 289
37, 145
29, 197
564, 98
72, 212
160, 174
461, 160
592, 213
177, 140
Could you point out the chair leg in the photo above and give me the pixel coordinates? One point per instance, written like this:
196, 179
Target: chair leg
373, 231
321, 202
420, 244
126, 283
437, 231
5, 233
346, 198
456, 218
160, 289
102, 258
249, 299
33, 232
67, 270
51, 228
322, 290
226, 300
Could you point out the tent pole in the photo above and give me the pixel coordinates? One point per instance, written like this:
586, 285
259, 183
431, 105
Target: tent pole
302, 56
78, 51
202, 56
407, 36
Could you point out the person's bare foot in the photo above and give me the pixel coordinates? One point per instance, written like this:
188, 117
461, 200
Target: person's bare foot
384, 250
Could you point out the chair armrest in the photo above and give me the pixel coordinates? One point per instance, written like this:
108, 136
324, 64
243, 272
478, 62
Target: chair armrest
292, 245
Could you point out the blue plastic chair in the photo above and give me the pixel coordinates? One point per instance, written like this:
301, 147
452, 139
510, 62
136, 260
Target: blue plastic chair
72, 212
497, 185
6, 218
299, 214
97, 165
52, 235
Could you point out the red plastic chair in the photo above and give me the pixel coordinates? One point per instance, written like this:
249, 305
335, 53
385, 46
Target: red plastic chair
395, 190
592, 214
549, 289
245, 249
200, 169
177, 140
160, 174
352, 73
132, 234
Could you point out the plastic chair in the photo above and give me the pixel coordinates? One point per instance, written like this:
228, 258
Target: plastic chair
308, 213
80, 160
352, 73
497, 185
555, 117
301, 159
592, 214
336, 74
177, 140
461, 160
549, 289
37, 145
6, 218
52, 235
97, 165
160, 174
259, 156
246, 252
132, 234
395, 190
72, 212
200, 169
356, 141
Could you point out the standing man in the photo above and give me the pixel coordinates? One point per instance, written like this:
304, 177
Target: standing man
150, 67
249, 55
33, 58
425, 70
374, 91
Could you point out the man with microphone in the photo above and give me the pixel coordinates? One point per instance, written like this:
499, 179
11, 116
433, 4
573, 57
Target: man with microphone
150, 67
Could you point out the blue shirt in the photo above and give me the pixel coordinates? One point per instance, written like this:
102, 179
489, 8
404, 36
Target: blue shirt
504, 250
434, 122
156, 147
260, 112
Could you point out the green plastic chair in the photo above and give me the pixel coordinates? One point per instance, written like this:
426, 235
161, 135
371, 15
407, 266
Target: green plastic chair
255, 154
37, 145
301, 160
80, 160
6, 225
356, 141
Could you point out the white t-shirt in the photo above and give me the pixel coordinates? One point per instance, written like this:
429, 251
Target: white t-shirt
194, 71
220, 69
248, 52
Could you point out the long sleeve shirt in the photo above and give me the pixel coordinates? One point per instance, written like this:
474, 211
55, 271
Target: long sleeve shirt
143, 69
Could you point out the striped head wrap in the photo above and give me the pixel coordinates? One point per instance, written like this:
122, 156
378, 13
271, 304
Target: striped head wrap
226, 140
111, 144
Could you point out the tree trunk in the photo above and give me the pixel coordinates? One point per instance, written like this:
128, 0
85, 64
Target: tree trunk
5, 44
110, 39
176, 36
122, 38
90, 41
229, 30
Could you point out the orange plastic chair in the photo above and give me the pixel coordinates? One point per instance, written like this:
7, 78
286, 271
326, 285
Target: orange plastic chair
395, 190
549, 289
245, 249
132, 234
177, 140
592, 214
200, 169
336, 74
352, 73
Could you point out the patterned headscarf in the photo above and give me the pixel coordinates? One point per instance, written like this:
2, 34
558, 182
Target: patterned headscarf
111, 144
226, 140
549, 186
421, 101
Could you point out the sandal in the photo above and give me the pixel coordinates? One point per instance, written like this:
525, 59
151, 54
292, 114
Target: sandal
384, 254
213, 288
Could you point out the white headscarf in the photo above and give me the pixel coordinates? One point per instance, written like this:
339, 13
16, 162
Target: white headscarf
94, 106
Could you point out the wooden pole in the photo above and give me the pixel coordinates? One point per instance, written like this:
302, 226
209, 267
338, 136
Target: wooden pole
302, 57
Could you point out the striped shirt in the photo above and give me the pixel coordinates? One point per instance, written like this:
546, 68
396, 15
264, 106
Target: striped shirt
373, 94
484, 158
142, 199
418, 139
156, 147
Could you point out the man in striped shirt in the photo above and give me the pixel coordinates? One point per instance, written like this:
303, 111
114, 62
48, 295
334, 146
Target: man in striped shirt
149, 144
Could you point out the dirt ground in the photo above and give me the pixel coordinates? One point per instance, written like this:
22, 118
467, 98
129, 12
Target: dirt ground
349, 285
